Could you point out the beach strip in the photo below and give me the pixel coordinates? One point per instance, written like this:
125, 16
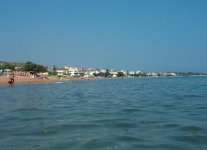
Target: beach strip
25, 80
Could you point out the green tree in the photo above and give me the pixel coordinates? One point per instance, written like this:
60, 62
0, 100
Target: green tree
29, 66
7, 66
120, 74
107, 74
54, 68
52, 73
100, 74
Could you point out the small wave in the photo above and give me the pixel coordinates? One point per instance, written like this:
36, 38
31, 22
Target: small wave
151, 122
159, 146
27, 109
65, 145
126, 138
97, 143
130, 110
191, 128
116, 123
201, 108
169, 105
193, 96
58, 82
72, 126
170, 125
195, 139
47, 132
124, 125
109, 120
44, 132
32, 118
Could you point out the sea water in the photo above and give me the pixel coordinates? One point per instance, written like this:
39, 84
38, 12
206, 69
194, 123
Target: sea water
124, 114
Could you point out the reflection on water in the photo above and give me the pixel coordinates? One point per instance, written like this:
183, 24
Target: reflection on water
159, 113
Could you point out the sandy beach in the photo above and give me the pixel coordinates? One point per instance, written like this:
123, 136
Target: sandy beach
28, 80
25, 80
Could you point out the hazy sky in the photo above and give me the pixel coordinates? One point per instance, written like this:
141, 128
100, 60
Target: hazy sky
148, 35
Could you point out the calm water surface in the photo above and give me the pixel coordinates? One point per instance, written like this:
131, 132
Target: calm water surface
147, 113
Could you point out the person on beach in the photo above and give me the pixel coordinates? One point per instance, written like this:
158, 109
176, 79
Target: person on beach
11, 80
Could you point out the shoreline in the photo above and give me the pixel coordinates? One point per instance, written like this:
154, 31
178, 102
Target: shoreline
29, 81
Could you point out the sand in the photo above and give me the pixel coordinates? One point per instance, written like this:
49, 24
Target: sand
25, 80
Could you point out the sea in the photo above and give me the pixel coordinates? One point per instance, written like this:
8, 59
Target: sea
119, 114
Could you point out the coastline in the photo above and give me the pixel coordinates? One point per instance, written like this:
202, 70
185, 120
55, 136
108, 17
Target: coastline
28, 80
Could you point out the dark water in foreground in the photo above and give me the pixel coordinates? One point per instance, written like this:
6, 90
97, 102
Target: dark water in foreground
152, 113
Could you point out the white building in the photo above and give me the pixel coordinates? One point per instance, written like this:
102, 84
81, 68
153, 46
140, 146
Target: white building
73, 71
152, 74
169, 74
131, 72
114, 73
139, 72
124, 72
60, 72
103, 71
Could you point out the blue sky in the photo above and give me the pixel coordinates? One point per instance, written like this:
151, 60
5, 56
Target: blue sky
148, 35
